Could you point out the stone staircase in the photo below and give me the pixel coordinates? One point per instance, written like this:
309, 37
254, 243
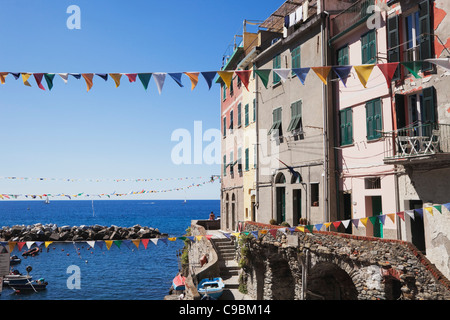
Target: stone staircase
229, 269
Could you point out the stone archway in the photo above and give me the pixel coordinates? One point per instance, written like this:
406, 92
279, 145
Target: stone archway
327, 281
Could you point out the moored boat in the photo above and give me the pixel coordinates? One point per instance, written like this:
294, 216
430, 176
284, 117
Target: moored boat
31, 252
14, 260
179, 282
36, 285
211, 287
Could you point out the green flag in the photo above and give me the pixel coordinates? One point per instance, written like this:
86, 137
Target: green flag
263, 75
145, 78
413, 67
49, 78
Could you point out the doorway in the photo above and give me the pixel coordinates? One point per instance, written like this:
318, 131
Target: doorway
281, 204
377, 211
297, 206
416, 227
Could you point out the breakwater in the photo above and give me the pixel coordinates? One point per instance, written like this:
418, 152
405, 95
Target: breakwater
52, 232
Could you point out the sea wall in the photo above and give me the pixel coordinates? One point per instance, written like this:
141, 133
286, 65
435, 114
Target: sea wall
52, 232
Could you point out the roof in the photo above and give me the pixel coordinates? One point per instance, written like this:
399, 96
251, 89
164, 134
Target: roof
275, 21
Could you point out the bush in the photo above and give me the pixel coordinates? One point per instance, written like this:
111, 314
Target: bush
273, 222
285, 224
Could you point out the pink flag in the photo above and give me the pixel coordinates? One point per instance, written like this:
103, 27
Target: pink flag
38, 77
388, 70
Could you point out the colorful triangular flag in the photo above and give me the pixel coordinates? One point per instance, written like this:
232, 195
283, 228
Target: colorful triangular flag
177, 78
226, 76
3, 77
160, 78
263, 74
414, 67
49, 79
301, 73
116, 77
145, 78
209, 77
108, 243
131, 76
322, 72
88, 78
342, 72
282, 73
25, 77
244, 75
388, 70
38, 77
194, 78
364, 71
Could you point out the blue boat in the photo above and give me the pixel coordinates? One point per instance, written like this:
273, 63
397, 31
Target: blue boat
211, 288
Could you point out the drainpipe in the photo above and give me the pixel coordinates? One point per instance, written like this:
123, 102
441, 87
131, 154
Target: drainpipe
305, 274
257, 146
326, 214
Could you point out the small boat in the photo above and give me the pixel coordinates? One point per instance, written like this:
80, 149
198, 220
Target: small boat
211, 287
31, 252
36, 285
47, 201
179, 282
16, 278
14, 260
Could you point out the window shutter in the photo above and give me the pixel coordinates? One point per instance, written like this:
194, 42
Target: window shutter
426, 40
370, 120
239, 107
246, 115
393, 43
224, 126
246, 160
378, 119
429, 105
254, 110
349, 126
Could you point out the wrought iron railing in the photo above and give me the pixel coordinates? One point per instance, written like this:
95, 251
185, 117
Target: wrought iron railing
353, 15
417, 140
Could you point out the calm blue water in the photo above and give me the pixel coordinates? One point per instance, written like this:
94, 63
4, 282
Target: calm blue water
119, 273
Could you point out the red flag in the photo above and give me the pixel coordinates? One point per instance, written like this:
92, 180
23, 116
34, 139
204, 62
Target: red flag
388, 70
244, 75
131, 76
401, 214
20, 245
38, 77
336, 224
145, 242
273, 232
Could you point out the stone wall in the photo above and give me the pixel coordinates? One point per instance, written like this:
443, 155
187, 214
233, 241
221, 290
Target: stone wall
328, 265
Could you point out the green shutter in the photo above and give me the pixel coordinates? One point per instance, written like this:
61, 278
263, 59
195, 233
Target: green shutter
276, 65
296, 58
373, 119
296, 116
393, 43
224, 126
239, 107
224, 166
369, 47
342, 55
429, 105
246, 160
346, 126
426, 39
276, 122
246, 115
254, 110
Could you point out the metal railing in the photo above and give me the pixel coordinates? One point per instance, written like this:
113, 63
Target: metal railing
417, 140
356, 13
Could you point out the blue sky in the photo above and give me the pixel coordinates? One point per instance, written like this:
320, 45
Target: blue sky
111, 132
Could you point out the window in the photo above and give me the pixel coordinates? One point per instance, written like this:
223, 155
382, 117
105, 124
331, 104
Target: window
225, 165
231, 163
239, 115
412, 28
246, 115
224, 92
372, 183
276, 123
373, 119
231, 87
231, 121
239, 160
342, 56
426, 41
276, 65
314, 194
346, 126
295, 53
247, 160
296, 117
254, 110
369, 47
393, 43
224, 127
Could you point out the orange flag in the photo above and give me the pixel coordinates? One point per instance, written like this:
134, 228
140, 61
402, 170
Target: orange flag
322, 72
88, 78
3, 77
136, 242
226, 76
108, 243
194, 78
116, 77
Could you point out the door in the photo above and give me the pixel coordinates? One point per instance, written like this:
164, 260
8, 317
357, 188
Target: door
348, 210
281, 204
416, 226
376, 211
297, 206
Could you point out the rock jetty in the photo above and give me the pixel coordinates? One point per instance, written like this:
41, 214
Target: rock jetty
51, 232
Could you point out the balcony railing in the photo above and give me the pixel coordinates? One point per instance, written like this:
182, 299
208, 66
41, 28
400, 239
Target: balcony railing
417, 141
352, 16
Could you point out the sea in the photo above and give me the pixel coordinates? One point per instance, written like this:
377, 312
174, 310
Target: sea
75, 271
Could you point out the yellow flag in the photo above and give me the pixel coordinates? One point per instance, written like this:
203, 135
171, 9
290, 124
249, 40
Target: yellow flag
263, 231
108, 243
172, 239
327, 224
364, 221
430, 210
236, 234
199, 238
364, 72
25, 77
88, 78
302, 229
136, 243
12, 244
47, 243
3, 77
391, 216
116, 77
226, 76
322, 72
194, 78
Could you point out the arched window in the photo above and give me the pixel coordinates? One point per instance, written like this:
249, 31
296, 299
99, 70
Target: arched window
280, 178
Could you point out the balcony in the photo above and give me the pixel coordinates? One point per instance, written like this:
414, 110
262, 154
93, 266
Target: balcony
417, 144
351, 17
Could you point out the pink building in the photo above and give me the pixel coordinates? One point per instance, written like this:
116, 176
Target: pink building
366, 185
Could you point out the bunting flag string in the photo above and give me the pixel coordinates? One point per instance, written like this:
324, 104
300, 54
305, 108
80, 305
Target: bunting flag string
103, 180
84, 194
363, 72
